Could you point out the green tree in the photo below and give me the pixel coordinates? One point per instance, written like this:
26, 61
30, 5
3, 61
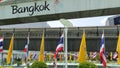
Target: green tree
38, 64
87, 65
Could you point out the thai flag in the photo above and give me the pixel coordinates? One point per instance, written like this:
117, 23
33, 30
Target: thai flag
60, 46
34, 56
26, 46
102, 52
1, 44
115, 55
94, 55
26, 49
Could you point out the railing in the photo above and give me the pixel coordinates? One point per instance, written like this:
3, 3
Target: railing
74, 32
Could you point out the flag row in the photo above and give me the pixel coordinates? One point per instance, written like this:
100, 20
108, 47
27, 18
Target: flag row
10, 50
82, 55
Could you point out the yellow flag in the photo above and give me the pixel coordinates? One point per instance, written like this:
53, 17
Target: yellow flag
10, 50
50, 56
118, 49
29, 56
111, 56
60, 55
82, 56
41, 55
91, 55
70, 56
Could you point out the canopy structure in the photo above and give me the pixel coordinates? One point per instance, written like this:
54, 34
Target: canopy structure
79, 22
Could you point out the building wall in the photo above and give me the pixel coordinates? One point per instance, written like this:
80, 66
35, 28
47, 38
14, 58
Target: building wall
47, 7
52, 36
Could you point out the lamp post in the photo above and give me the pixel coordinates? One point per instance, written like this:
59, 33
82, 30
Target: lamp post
66, 24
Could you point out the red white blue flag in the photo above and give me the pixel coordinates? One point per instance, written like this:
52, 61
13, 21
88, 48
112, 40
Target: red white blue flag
94, 55
60, 46
115, 55
102, 52
26, 46
26, 49
1, 44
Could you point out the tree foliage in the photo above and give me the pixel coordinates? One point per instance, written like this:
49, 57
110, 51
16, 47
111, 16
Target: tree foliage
87, 65
38, 64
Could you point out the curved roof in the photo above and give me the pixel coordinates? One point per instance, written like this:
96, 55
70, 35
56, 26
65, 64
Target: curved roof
79, 22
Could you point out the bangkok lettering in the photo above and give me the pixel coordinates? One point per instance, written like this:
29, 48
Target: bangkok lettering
30, 9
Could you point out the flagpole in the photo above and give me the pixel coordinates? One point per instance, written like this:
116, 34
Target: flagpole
2, 52
27, 60
102, 51
27, 50
12, 47
104, 41
1, 59
65, 33
105, 48
66, 24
